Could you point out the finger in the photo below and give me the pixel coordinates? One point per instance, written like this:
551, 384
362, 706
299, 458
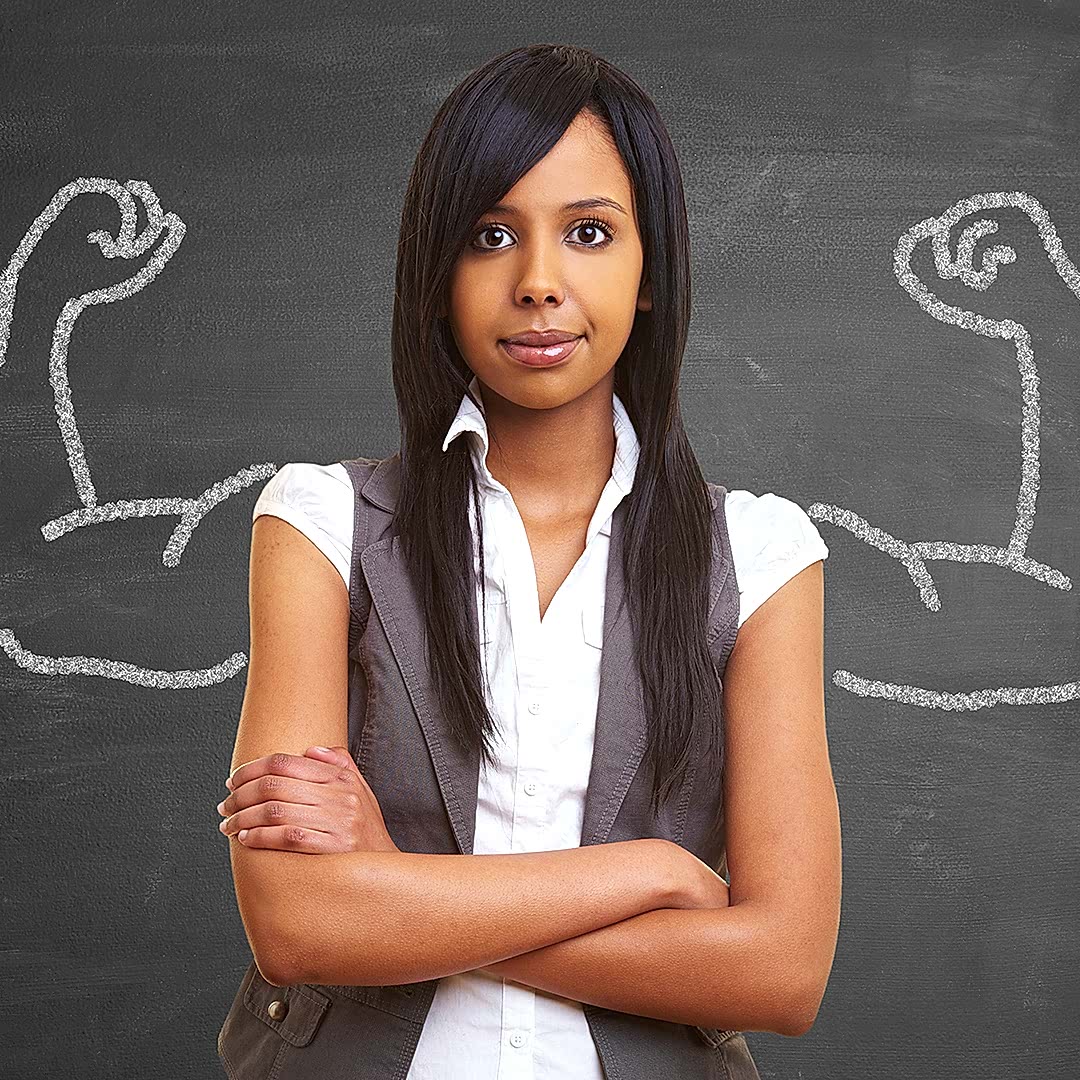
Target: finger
250, 769
335, 755
229, 782
339, 758
272, 787
282, 764
289, 838
277, 813
271, 766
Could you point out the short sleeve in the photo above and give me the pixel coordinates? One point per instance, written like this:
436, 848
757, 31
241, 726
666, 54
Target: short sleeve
772, 539
318, 501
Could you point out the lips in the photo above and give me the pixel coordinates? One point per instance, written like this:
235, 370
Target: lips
543, 355
538, 338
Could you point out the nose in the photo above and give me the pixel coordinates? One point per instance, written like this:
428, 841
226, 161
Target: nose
540, 280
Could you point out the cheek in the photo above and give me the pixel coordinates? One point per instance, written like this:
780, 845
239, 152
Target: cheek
470, 295
614, 283
612, 299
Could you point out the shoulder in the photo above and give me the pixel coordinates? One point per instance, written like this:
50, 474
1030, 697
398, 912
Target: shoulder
318, 501
772, 538
302, 483
770, 527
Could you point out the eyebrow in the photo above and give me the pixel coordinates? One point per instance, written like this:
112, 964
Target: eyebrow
594, 202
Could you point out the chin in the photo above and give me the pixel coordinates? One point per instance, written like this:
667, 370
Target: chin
556, 389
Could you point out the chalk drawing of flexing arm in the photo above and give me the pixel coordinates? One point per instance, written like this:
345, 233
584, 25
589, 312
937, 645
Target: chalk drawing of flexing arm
914, 555
127, 244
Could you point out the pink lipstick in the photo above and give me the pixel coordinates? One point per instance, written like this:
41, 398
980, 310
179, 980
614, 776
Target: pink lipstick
540, 355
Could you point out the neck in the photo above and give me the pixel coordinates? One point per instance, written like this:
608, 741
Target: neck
553, 461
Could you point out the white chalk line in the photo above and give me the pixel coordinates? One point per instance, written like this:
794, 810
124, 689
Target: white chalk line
191, 510
940, 699
118, 669
127, 244
915, 555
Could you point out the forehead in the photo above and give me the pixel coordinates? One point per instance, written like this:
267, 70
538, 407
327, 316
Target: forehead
584, 162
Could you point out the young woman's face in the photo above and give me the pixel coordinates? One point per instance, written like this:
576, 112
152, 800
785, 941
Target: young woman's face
532, 263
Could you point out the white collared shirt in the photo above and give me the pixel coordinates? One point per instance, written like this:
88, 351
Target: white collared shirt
544, 683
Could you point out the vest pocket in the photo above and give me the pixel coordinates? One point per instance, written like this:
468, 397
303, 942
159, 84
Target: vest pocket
294, 1012
265, 1023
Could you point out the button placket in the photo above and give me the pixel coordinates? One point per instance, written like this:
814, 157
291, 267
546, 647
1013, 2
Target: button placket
541, 676
518, 1029
525, 810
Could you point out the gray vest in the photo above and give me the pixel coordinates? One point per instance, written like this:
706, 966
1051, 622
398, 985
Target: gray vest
427, 789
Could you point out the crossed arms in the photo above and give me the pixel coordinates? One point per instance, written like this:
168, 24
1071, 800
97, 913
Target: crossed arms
613, 924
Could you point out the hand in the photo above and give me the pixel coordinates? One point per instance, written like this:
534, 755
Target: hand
319, 803
698, 885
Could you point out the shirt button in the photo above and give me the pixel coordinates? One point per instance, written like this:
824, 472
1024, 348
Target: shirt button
517, 1039
530, 788
534, 707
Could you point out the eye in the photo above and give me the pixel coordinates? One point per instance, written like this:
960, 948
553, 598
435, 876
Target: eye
590, 227
492, 228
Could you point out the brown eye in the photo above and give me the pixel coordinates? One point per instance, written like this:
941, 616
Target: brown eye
491, 231
589, 231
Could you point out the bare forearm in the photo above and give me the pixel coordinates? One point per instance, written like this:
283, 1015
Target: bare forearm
712, 967
371, 918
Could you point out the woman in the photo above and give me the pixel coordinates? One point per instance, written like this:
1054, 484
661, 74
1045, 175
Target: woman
522, 781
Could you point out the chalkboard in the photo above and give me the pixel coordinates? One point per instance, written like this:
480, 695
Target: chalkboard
199, 221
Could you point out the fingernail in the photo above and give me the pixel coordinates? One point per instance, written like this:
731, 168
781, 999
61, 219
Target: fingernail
241, 834
228, 782
222, 824
221, 807
324, 749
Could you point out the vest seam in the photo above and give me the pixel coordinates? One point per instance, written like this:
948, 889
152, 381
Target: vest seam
276, 1067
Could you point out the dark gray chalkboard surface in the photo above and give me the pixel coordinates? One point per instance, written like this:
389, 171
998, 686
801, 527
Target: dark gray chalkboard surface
198, 218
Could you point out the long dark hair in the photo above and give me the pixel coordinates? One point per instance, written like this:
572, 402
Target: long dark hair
495, 125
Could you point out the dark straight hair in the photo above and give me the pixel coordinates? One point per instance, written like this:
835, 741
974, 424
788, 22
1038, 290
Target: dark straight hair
491, 130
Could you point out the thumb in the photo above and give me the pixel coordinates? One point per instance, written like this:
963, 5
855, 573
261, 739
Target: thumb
337, 755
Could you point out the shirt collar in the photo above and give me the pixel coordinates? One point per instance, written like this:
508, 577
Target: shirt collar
469, 418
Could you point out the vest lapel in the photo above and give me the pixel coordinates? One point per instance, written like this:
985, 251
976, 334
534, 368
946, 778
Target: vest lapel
619, 740
620, 734
394, 597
